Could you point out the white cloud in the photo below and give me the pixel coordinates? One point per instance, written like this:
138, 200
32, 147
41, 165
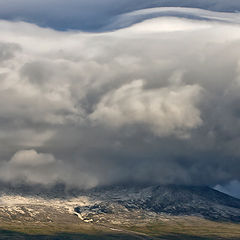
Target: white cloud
30, 166
165, 111
31, 158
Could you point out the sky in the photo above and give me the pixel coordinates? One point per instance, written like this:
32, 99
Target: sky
104, 92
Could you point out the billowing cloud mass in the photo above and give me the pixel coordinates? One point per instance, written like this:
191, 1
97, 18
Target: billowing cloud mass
165, 111
157, 101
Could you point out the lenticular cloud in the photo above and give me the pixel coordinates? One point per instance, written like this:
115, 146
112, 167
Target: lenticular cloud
157, 101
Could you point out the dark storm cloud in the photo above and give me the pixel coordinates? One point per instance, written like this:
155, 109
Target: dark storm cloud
156, 102
94, 15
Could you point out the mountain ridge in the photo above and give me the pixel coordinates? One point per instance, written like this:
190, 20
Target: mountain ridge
111, 203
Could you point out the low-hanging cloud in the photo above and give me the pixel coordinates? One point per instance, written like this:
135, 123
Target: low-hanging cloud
142, 104
32, 167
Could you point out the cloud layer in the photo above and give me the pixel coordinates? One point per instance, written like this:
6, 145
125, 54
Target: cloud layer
155, 102
95, 15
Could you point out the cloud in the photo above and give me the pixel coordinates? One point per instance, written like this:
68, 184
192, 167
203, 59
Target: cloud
166, 111
141, 104
31, 158
7, 51
31, 167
